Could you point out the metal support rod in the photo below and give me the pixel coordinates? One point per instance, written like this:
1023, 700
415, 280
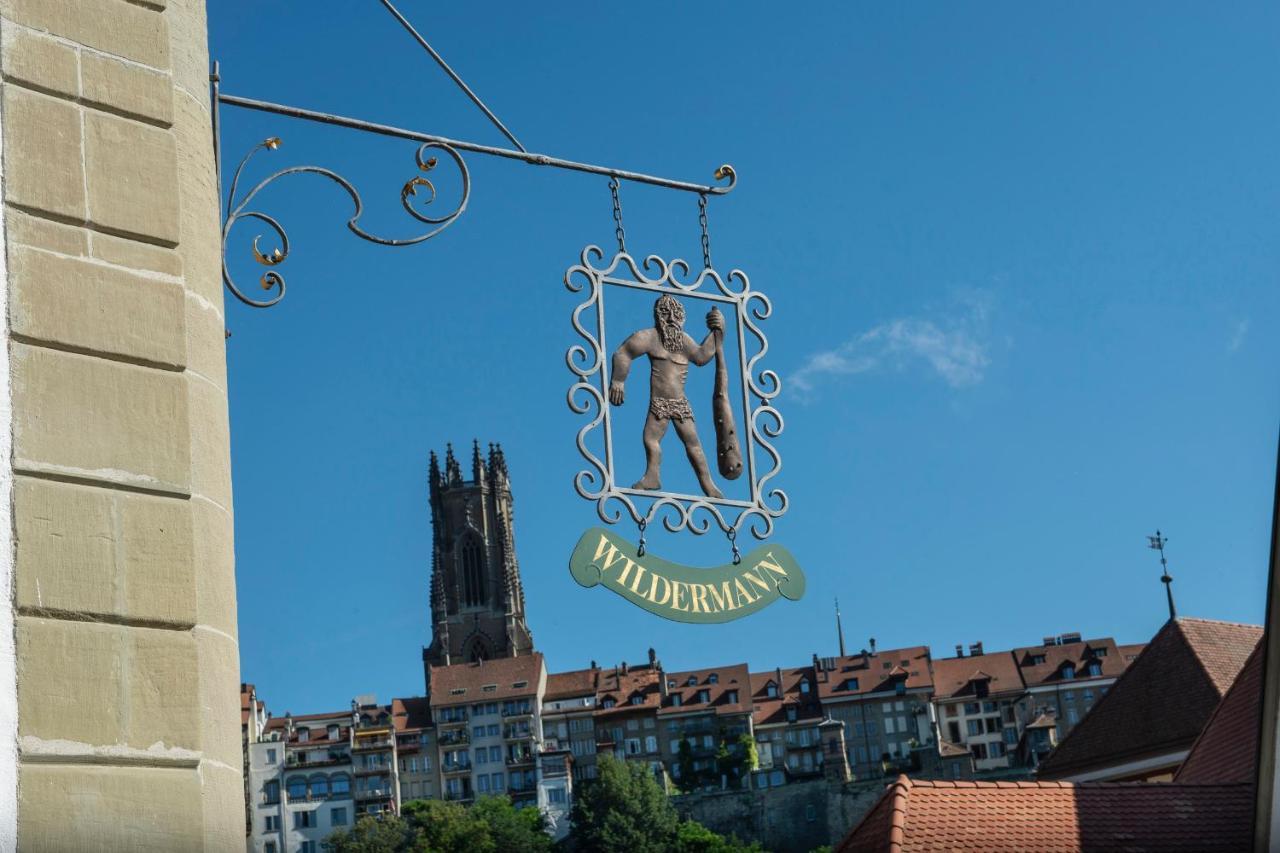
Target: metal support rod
725, 172
475, 99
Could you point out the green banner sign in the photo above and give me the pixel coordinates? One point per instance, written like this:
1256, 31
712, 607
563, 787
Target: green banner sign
683, 593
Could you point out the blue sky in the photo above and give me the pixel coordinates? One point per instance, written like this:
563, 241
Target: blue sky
1024, 267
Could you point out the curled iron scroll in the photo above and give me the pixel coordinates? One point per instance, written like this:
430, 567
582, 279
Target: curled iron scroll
419, 189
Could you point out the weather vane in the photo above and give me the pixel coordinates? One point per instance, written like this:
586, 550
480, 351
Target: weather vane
1157, 543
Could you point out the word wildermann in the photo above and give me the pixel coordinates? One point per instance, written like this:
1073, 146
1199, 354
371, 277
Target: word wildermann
729, 594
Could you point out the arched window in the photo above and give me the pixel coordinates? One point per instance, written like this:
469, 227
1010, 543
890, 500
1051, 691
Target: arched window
297, 788
340, 785
473, 580
319, 787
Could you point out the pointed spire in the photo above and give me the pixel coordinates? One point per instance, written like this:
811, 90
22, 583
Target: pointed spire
1157, 543
452, 472
839, 628
477, 465
434, 473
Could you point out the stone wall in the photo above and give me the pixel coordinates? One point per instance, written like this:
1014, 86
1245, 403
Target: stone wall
791, 818
127, 664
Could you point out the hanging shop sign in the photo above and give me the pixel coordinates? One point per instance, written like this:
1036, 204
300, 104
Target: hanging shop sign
681, 593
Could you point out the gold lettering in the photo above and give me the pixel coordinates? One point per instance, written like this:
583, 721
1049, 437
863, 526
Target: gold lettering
757, 581
635, 581
677, 587
698, 596
626, 570
653, 589
742, 593
614, 555
771, 566
722, 596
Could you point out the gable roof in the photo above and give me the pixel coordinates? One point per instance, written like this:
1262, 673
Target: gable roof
1077, 654
953, 677
411, 713
464, 683
726, 678
770, 710
1162, 701
875, 672
622, 684
915, 816
565, 685
1227, 749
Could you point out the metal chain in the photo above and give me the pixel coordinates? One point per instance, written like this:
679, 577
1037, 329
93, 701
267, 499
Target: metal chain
643, 524
618, 230
706, 236
732, 533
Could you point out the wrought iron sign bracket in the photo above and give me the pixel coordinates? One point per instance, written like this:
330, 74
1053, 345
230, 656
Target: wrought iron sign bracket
416, 194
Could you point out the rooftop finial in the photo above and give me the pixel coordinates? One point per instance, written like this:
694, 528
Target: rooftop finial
477, 466
839, 628
1157, 543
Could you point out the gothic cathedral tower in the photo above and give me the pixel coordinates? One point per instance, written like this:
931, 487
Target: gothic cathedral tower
477, 600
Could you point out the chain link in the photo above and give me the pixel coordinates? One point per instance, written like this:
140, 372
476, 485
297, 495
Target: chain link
643, 524
706, 235
618, 230
732, 533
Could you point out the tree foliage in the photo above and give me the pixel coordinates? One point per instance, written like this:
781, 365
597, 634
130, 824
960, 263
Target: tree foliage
492, 825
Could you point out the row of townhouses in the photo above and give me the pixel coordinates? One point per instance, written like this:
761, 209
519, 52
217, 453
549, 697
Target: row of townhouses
495, 721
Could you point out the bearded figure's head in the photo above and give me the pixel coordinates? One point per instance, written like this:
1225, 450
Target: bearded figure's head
668, 319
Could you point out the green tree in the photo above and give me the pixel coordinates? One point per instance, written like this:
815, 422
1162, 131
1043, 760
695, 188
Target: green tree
511, 829
693, 837
625, 809
373, 835
444, 826
688, 780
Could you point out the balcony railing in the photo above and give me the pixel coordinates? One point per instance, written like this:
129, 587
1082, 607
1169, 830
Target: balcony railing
518, 711
460, 736
511, 733
368, 769
524, 758
452, 721
294, 760
455, 767
458, 796
374, 793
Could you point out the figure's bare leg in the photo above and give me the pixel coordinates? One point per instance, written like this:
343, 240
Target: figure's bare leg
689, 435
654, 429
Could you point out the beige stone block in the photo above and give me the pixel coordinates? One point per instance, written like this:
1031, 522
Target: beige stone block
222, 798
201, 226
206, 342
210, 443
157, 540
66, 546
109, 809
163, 689
81, 416
215, 566
136, 255
43, 164
219, 663
70, 676
39, 61
94, 307
127, 88
24, 229
189, 43
133, 177
112, 26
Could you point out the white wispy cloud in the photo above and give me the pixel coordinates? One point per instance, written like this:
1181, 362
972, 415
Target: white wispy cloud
1238, 336
954, 347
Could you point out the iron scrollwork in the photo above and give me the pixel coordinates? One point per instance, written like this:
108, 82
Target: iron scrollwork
589, 395
419, 188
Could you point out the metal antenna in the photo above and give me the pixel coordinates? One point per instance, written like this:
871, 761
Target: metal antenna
839, 628
1156, 543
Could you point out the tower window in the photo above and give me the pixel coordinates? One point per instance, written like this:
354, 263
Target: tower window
473, 579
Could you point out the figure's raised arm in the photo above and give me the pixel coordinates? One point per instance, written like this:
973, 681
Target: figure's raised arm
633, 347
700, 355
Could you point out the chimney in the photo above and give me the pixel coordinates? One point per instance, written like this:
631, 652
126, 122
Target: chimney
959, 650
975, 649
653, 658
623, 668
594, 665
873, 645
816, 665
777, 674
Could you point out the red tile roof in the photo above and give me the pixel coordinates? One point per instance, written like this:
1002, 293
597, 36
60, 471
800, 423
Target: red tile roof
1162, 702
769, 710
874, 673
579, 682
1077, 654
1054, 817
464, 683
621, 688
411, 713
952, 677
718, 682
1227, 749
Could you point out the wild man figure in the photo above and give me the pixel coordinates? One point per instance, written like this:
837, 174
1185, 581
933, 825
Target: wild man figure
670, 351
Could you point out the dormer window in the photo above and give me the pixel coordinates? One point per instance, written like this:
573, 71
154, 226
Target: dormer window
608, 702
731, 697
791, 714
981, 688
676, 700
804, 684
1094, 668
771, 690
1099, 652
704, 696
849, 684
713, 679
900, 687
637, 699
1068, 671
333, 732
671, 682
304, 735
692, 682
1037, 660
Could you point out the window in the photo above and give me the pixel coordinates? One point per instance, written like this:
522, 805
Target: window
650, 744
953, 729
979, 751
992, 725
972, 708
887, 707
900, 687
271, 756
1011, 736
1088, 696
498, 781
791, 713
713, 679
633, 746
332, 732
637, 699
995, 750
633, 725
1073, 716
1068, 671
556, 796
1037, 660
495, 754
482, 754
989, 707
338, 817
731, 697
482, 783
304, 735
676, 700
608, 702
297, 788
888, 725
810, 813
872, 728
319, 787
473, 580
307, 847
303, 820
692, 682
974, 727
340, 785
902, 725
1100, 652
269, 847
704, 696
1094, 668
771, 690
271, 823
804, 684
